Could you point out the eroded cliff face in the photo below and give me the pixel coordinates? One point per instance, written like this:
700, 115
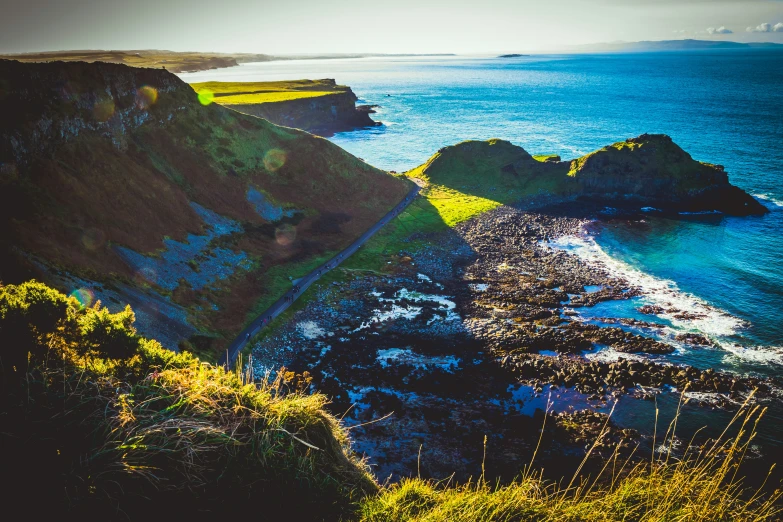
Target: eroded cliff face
47, 105
324, 115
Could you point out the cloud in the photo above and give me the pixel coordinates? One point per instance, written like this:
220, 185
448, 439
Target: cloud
719, 30
766, 28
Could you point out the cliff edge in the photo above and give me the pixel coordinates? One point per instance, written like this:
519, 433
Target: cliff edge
321, 107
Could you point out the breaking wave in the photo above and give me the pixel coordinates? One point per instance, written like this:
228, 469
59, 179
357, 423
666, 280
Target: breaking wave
664, 293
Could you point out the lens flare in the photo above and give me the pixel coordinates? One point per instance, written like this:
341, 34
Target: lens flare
206, 97
103, 110
285, 234
84, 296
92, 238
274, 159
146, 97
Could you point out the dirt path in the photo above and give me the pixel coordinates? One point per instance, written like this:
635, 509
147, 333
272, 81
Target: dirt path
229, 357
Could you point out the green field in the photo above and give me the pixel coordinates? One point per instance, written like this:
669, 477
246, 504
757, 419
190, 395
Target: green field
249, 93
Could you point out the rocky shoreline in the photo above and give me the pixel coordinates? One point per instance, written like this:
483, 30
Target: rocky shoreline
477, 335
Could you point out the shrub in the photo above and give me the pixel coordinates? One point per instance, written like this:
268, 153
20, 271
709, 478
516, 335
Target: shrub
29, 314
109, 335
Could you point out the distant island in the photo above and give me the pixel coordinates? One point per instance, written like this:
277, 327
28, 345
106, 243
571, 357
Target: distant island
670, 45
179, 62
512, 55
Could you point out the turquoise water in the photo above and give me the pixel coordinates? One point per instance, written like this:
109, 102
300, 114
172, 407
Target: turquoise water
723, 107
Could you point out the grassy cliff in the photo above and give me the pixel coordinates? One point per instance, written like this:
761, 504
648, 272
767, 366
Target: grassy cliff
318, 106
99, 423
233, 93
117, 184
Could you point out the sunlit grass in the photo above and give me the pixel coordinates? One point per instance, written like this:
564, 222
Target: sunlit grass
701, 485
269, 97
248, 93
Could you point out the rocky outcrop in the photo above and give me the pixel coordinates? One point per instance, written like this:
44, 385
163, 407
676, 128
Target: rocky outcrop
653, 169
47, 105
322, 115
649, 170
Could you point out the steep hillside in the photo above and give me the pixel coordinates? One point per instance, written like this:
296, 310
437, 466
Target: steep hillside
318, 106
117, 184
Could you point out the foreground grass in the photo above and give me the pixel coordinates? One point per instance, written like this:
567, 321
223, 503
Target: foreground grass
104, 422
701, 485
105, 425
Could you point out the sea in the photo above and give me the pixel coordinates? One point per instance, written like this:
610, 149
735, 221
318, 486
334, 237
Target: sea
723, 107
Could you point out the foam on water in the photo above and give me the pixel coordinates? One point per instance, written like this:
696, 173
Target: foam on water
661, 292
406, 356
769, 201
756, 354
310, 330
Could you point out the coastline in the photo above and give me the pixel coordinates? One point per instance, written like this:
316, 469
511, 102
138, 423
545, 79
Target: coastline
485, 320
181, 62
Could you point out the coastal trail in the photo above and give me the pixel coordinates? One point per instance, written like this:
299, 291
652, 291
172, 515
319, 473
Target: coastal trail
278, 307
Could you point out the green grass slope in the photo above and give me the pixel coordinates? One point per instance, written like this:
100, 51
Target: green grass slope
318, 106
98, 423
105, 172
249, 93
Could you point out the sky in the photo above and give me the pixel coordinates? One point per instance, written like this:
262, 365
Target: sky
387, 26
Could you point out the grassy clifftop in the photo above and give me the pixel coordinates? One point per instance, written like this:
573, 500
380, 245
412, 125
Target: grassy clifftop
99, 423
247, 93
319, 106
116, 183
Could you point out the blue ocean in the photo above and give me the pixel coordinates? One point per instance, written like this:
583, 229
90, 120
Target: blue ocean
723, 107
